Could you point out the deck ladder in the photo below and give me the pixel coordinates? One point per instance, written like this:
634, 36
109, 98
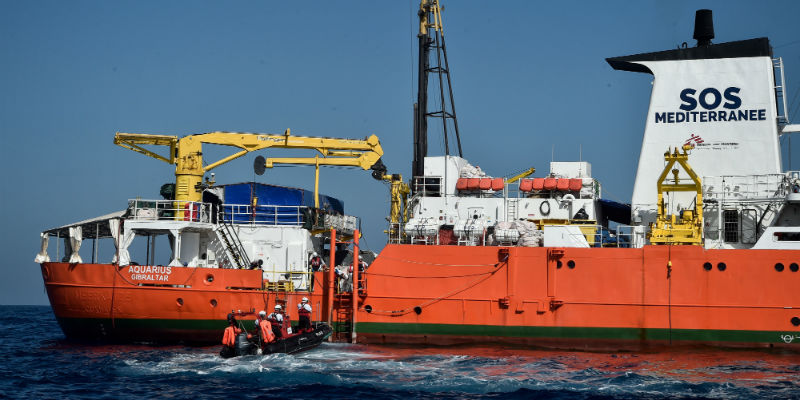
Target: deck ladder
780, 94
233, 246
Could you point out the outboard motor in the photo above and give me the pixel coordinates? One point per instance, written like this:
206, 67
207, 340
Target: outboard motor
243, 346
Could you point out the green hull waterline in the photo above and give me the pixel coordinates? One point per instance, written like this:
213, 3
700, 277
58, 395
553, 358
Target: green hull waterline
627, 334
214, 327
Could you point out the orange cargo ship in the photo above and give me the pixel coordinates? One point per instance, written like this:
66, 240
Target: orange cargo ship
707, 251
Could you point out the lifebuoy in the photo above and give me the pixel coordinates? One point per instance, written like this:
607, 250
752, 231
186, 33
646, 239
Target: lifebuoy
544, 208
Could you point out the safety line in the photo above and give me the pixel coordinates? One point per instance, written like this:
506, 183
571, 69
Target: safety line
397, 313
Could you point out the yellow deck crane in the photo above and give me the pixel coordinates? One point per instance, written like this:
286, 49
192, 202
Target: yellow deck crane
687, 227
187, 155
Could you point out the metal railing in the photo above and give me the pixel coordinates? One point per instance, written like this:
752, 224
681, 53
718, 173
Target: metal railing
273, 215
304, 276
194, 211
745, 187
143, 209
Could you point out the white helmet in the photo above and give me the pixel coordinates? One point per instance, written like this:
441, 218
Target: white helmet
314, 254
277, 307
305, 300
360, 258
262, 313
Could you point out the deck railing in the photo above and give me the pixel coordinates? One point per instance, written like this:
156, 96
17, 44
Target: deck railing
163, 210
194, 211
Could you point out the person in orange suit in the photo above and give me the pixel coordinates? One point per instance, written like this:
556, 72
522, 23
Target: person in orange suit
229, 337
265, 329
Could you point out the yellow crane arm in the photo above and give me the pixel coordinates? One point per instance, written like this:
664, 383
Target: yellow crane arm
521, 175
133, 141
187, 152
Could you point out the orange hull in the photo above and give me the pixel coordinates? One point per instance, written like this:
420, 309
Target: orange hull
568, 297
102, 301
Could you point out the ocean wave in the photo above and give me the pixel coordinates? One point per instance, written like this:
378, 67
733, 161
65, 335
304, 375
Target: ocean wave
45, 366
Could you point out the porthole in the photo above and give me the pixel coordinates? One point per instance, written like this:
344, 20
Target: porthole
707, 266
793, 267
571, 264
721, 266
213, 302
368, 308
418, 310
795, 321
179, 302
779, 267
559, 264
209, 278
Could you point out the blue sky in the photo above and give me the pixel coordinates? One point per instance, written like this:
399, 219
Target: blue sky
530, 80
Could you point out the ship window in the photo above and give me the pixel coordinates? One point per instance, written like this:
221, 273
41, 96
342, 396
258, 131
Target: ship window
428, 186
731, 225
787, 236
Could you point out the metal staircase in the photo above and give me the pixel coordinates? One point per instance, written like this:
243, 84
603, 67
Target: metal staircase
232, 245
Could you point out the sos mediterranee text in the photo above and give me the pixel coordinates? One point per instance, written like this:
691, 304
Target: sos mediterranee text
715, 106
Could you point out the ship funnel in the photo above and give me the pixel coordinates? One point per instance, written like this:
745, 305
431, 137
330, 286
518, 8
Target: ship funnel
719, 97
703, 27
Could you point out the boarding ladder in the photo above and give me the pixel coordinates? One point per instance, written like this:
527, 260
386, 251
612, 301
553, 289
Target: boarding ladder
343, 309
511, 209
343, 317
232, 245
780, 95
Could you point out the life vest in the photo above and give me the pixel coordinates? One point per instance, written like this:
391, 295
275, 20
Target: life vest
316, 262
266, 332
302, 311
273, 319
229, 337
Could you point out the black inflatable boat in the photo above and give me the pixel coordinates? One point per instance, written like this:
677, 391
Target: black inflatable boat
291, 344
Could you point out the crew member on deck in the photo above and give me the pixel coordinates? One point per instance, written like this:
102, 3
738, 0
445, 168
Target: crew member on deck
304, 315
265, 329
229, 337
316, 262
362, 266
276, 320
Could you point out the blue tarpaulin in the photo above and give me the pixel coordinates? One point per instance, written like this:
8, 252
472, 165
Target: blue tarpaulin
239, 198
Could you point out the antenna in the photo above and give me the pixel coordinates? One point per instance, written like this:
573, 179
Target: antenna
431, 37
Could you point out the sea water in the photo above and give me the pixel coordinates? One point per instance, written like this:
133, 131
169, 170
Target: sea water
37, 362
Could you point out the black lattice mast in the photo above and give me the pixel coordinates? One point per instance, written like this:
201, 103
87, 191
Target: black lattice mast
431, 37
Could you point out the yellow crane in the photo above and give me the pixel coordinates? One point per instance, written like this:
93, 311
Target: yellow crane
187, 155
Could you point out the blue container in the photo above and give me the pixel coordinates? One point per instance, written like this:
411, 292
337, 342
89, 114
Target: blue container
274, 204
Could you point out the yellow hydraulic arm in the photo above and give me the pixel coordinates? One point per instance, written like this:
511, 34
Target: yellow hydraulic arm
187, 153
687, 227
521, 175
